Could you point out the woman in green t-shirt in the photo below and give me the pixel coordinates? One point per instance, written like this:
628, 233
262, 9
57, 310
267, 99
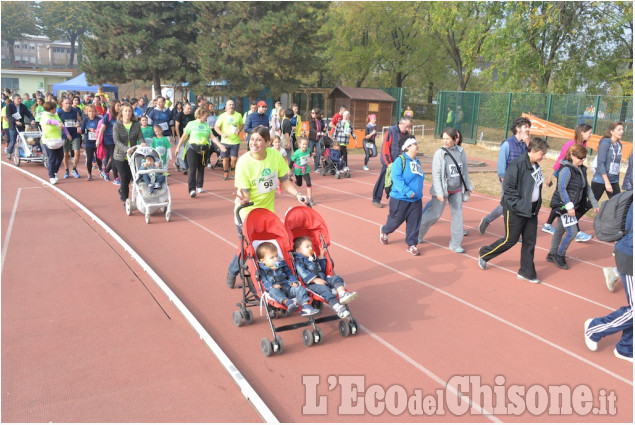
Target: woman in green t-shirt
197, 150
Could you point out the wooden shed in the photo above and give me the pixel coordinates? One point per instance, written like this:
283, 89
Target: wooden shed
361, 102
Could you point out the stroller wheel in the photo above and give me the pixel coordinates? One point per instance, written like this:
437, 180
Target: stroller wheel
278, 346
307, 337
317, 336
237, 318
347, 175
337, 175
16, 155
354, 326
168, 215
344, 328
249, 318
128, 207
265, 345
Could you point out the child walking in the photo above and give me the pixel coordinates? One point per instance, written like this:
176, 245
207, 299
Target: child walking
162, 144
301, 167
370, 149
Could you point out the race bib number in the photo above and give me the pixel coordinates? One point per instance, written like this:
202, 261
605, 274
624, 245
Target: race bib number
614, 168
92, 135
16, 116
370, 145
416, 168
69, 123
303, 160
568, 221
266, 184
232, 129
164, 126
537, 175
454, 171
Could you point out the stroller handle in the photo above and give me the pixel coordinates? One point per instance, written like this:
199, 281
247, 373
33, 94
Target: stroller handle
240, 207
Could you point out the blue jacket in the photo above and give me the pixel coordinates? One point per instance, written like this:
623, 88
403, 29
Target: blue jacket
308, 270
254, 120
407, 181
282, 275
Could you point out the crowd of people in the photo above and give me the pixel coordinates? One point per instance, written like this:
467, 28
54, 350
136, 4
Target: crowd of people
280, 156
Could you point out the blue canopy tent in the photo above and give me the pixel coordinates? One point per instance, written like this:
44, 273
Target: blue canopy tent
79, 84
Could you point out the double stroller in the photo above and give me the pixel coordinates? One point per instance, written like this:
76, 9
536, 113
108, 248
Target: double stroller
261, 225
331, 161
143, 199
28, 147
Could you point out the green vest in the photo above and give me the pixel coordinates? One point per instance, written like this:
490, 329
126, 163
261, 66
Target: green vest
50, 131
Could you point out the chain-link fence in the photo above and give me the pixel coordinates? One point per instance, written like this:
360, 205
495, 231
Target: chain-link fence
488, 116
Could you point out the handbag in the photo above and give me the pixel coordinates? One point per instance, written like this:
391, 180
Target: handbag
466, 194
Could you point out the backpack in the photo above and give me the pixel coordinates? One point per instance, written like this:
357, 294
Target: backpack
388, 178
610, 222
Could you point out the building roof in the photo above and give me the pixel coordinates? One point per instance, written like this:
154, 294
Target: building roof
364, 94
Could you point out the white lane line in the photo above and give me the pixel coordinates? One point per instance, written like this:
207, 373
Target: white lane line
246, 389
5, 245
429, 373
487, 313
466, 303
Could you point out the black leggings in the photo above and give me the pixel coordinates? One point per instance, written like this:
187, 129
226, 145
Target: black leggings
307, 179
126, 177
109, 164
599, 189
90, 153
196, 164
344, 154
369, 152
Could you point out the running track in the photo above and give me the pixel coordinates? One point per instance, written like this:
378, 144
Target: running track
424, 319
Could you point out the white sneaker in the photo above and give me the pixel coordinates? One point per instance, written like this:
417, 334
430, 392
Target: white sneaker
590, 344
611, 277
365, 168
56, 178
53, 181
192, 194
347, 297
341, 311
199, 190
622, 356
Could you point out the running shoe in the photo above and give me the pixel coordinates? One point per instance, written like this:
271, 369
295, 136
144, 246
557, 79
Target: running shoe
347, 297
413, 250
341, 311
75, 173
365, 168
583, 237
611, 277
622, 356
482, 263
53, 181
534, 280
307, 310
117, 182
193, 194
66, 174
383, 238
89, 178
590, 344
199, 190
482, 227
548, 228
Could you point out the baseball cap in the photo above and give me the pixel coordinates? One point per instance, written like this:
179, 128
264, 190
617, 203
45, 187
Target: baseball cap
262, 103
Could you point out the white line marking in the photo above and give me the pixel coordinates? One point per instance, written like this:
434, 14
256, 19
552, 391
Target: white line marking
5, 245
246, 389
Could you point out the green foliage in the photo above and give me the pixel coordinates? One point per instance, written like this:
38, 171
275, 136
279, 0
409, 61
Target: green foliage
63, 19
151, 42
255, 45
18, 20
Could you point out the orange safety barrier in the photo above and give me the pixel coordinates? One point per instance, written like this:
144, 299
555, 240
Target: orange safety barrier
304, 129
540, 127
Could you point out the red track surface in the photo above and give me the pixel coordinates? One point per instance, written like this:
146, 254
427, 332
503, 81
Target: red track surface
424, 319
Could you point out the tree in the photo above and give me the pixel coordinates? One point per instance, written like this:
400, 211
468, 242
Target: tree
258, 44
69, 20
152, 42
18, 21
540, 41
462, 29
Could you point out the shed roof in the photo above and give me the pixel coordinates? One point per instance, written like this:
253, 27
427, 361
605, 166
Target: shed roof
364, 94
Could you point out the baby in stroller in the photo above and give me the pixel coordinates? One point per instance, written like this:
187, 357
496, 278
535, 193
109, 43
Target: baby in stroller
335, 154
153, 180
311, 271
280, 282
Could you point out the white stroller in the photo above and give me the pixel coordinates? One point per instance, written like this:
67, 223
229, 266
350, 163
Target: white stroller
28, 147
142, 199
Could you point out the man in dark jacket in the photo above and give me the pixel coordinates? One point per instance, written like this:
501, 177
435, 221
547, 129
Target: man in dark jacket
16, 112
390, 150
522, 187
257, 118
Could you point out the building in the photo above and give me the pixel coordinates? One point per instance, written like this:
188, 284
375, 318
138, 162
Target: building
32, 80
362, 102
36, 52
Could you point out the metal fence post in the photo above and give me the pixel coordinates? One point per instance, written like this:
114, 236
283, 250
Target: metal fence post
509, 112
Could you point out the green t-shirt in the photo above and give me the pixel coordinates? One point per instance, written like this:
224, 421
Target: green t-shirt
148, 133
38, 113
28, 103
260, 178
127, 127
162, 145
301, 160
229, 124
199, 132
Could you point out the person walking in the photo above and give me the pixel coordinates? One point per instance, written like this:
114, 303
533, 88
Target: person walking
126, 133
450, 182
607, 173
522, 187
405, 196
389, 151
510, 149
